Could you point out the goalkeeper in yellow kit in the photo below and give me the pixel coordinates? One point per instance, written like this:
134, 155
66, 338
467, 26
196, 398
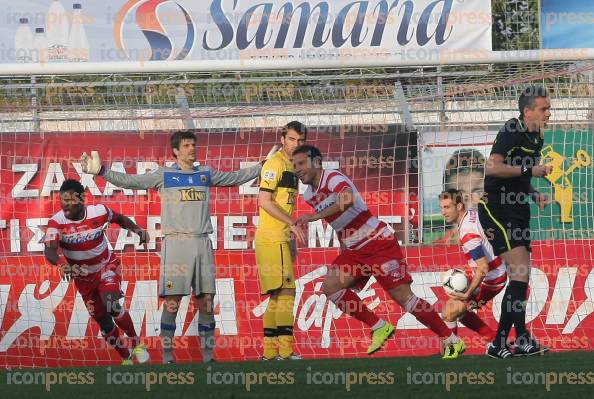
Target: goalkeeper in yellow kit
275, 244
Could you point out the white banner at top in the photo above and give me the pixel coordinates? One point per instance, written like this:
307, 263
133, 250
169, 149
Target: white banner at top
238, 31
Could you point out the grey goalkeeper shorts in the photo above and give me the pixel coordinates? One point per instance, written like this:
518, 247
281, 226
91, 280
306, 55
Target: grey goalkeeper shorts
187, 263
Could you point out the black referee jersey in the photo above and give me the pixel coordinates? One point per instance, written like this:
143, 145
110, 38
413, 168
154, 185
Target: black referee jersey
504, 211
519, 147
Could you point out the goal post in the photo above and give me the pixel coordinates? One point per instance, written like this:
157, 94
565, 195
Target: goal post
401, 133
270, 61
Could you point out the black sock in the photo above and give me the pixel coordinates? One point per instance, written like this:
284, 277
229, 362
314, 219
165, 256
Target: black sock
519, 291
505, 320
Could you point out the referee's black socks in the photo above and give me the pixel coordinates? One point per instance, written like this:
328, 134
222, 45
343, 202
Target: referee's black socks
519, 291
513, 312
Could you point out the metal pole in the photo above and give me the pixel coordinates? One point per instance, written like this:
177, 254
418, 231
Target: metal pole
184, 107
35, 107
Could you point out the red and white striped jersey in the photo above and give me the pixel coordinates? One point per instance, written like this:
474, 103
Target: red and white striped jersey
475, 245
83, 242
355, 226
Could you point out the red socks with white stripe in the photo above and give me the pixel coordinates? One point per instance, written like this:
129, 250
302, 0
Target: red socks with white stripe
124, 321
350, 303
114, 339
472, 321
424, 313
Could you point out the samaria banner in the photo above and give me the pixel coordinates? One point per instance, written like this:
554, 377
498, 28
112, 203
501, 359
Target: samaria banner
116, 31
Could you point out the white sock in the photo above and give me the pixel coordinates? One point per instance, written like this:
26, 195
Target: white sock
451, 324
206, 331
380, 323
452, 339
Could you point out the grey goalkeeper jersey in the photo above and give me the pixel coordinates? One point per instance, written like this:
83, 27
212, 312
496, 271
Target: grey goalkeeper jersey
185, 195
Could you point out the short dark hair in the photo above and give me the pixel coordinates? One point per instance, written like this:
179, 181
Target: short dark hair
312, 152
529, 96
72, 185
463, 161
177, 137
296, 126
453, 194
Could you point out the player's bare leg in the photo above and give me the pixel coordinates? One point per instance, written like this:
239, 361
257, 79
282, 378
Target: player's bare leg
170, 308
454, 308
457, 310
513, 306
336, 287
426, 315
206, 326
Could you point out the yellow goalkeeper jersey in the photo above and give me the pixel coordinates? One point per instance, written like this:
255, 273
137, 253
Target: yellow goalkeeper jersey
277, 177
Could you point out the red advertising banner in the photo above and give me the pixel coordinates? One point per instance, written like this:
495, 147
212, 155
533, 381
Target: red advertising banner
43, 321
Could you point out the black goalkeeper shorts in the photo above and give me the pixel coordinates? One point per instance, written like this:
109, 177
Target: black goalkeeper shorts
506, 227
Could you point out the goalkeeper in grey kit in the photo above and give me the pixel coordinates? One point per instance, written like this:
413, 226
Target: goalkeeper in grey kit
187, 260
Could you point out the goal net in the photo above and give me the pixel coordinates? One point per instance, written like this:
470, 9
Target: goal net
401, 134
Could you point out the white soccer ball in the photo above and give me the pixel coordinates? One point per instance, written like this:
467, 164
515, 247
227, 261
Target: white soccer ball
455, 280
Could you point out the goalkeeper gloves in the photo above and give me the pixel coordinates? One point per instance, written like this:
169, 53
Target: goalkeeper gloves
91, 164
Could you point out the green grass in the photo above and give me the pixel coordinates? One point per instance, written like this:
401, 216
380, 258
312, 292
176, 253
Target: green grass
377, 378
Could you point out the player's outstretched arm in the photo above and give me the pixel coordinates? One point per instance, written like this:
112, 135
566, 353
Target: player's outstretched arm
236, 178
346, 199
92, 165
128, 224
225, 179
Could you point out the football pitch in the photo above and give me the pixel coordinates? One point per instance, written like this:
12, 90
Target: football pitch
569, 375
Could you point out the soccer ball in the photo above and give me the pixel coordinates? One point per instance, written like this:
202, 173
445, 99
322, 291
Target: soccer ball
455, 281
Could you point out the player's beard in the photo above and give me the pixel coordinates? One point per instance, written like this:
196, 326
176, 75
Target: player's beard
304, 179
75, 213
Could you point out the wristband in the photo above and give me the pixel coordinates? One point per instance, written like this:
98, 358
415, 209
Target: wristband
526, 171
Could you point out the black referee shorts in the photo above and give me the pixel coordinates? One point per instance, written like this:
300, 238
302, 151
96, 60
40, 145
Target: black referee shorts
505, 227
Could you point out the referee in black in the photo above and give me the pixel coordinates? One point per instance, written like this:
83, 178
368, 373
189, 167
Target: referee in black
504, 213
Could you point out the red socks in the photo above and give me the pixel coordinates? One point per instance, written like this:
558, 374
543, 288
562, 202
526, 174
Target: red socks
124, 321
350, 303
425, 313
472, 321
114, 340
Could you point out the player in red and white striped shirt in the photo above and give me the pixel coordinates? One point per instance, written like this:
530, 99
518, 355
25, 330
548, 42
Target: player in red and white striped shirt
368, 248
489, 275
79, 230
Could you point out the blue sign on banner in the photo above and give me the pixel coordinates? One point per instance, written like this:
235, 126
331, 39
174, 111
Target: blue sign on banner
567, 24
